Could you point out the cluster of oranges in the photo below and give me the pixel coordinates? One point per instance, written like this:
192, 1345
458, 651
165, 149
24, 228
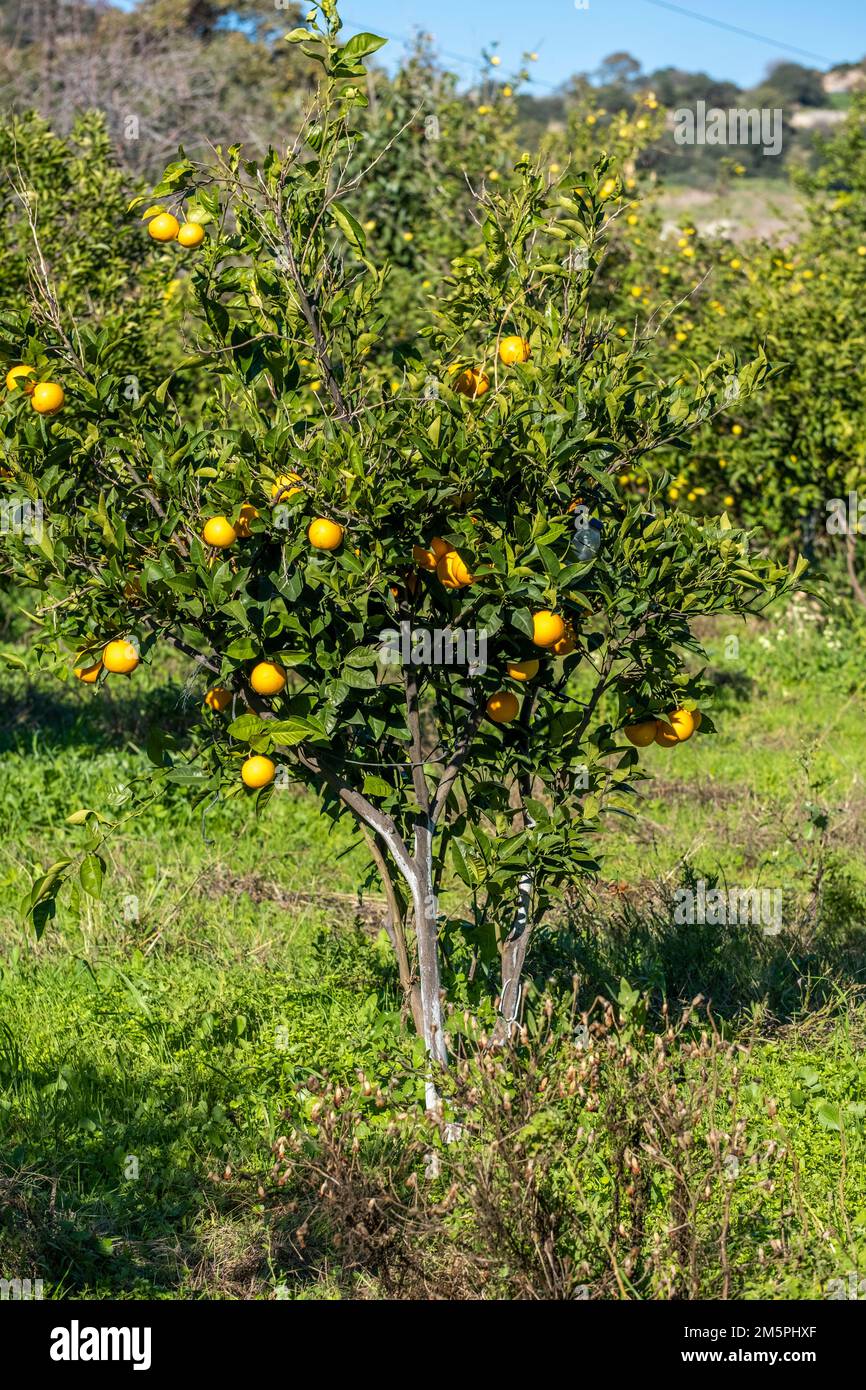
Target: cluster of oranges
474, 383
322, 533
555, 635
119, 657
443, 559
46, 397
165, 227
267, 678
677, 727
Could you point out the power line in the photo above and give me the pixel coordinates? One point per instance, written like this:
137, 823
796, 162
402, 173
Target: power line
735, 29
660, 4
446, 52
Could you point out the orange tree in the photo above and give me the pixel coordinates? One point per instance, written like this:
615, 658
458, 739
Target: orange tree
775, 460
282, 545
426, 149
64, 238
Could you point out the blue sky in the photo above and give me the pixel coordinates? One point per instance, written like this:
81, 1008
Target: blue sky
569, 40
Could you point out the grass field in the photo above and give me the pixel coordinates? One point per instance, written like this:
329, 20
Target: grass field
151, 1044
749, 207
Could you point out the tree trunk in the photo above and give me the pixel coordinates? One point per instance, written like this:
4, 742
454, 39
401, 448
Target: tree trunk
396, 927
856, 586
514, 950
426, 930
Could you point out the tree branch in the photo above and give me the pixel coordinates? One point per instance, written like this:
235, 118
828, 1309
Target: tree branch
458, 758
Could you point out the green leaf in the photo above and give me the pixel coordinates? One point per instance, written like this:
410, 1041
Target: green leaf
288, 732
350, 227
90, 875
246, 727
376, 786
829, 1116
521, 618
43, 913
361, 46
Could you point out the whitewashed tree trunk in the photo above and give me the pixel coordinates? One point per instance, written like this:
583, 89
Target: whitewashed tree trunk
514, 950
426, 937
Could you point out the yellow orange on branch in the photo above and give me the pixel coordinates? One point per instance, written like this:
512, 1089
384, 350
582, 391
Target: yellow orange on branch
285, 486
566, 644
513, 349
218, 531
18, 377
642, 733
120, 657
88, 675
47, 397
472, 383
523, 670
452, 572
218, 698
258, 772
677, 728
425, 559
163, 227
190, 235
267, 678
324, 534
503, 707
547, 628
246, 516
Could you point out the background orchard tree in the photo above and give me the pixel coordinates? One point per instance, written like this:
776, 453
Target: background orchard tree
775, 459
315, 511
68, 255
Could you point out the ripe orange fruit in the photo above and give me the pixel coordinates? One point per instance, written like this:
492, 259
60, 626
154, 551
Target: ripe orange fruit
88, 674
697, 717
219, 531
247, 514
426, 559
18, 376
283, 486
502, 707
566, 644
472, 383
513, 349
120, 657
218, 698
665, 736
190, 235
258, 772
440, 547
547, 628
642, 733
324, 534
163, 227
47, 397
523, 670
452, 572
267, 678
677, 728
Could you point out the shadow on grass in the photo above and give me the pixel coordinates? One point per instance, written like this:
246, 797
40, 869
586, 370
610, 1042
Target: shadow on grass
112, 1198
64, 717
741, 968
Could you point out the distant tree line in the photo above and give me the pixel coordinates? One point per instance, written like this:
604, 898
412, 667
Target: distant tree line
204, 72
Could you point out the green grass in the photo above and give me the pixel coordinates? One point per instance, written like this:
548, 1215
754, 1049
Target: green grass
753, 207
142, 1053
